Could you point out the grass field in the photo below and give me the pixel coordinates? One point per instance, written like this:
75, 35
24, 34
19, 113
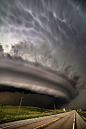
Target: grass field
82, 114
10, 113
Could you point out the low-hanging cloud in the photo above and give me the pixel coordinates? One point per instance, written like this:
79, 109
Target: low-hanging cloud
37, 78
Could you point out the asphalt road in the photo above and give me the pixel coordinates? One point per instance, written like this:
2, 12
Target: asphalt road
69, 120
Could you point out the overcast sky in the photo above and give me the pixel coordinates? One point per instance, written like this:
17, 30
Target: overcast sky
51, 33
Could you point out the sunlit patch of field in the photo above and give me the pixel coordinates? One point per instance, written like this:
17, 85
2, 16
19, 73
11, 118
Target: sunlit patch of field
10, 113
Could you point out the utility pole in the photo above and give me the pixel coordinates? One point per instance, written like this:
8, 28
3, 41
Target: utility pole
55, 107
20, 104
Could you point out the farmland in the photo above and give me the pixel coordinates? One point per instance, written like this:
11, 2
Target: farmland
10, 113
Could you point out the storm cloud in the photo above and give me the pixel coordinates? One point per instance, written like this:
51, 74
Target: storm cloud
15, 74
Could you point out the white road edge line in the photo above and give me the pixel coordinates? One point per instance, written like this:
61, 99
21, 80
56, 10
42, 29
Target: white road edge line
74, 122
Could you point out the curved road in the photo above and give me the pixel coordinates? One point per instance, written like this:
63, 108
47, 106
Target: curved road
69, 120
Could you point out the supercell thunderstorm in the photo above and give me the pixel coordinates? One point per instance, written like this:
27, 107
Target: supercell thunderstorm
36, 36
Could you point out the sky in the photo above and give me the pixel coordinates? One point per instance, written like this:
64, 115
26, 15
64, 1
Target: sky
43, 53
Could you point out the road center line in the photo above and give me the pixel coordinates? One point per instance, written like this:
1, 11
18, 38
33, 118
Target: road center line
50, 122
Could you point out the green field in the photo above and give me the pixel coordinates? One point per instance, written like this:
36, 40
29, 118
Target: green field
10, 113
82, 114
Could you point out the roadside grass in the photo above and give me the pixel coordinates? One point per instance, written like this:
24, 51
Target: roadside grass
10, 113
82, 114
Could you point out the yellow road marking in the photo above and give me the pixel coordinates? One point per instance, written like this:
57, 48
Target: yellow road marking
50, 122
